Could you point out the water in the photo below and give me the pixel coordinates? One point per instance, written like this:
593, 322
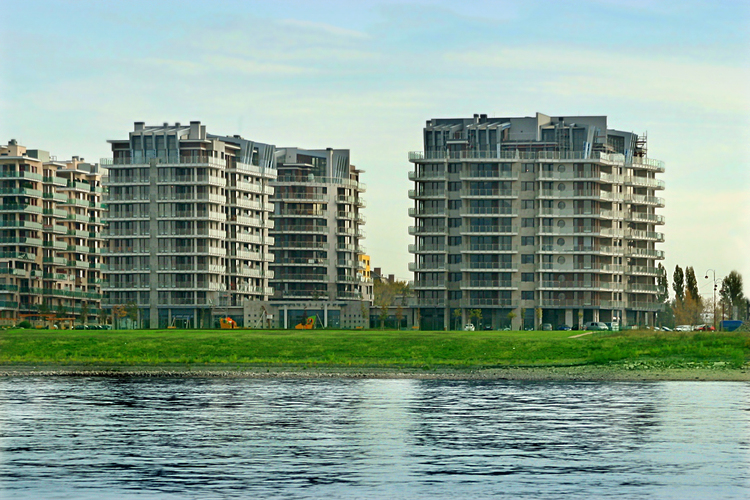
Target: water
65, 438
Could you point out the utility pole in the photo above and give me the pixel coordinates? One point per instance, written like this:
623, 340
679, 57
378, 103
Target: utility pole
714, 275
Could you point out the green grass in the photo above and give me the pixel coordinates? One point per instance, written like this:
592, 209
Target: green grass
372, 348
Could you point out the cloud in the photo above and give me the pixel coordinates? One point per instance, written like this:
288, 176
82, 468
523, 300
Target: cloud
328, 29
583, 72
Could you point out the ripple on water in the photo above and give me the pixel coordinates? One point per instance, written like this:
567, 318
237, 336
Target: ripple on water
411, 439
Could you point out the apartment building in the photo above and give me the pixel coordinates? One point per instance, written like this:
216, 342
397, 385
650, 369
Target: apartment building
51, 243
534, 220
318, 227
188, 224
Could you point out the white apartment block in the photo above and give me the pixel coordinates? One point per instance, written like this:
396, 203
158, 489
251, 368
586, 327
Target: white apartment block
318, 228
553, 219
188, 224
51, 237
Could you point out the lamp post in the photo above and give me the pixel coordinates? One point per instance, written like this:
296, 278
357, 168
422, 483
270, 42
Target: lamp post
714, 275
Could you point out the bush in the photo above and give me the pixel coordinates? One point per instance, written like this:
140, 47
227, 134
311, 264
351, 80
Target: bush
25, 324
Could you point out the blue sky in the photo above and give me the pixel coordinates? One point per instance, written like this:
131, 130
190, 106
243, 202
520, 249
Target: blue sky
366, 77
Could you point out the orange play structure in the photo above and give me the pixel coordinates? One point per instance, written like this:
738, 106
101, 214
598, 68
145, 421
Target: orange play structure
308, 324
227, 323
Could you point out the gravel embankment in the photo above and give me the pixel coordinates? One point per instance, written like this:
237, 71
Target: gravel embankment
627, 372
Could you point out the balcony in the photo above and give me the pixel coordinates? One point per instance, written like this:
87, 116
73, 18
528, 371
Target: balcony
601, 177
489, 193
426, 248
488, 230
426, 176
487, 248
426, 194
488, 284
426, 266
472, 303
438, 230
646, 182
639, 199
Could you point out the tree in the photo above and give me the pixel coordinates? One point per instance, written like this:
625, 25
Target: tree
477, 314
457, 318
399, 316
732, 295
539, 317
691, 285
132, 312
84, 313
60, 313
118, 312
386, 293
678, 284
688, 311
662, 295
511, 317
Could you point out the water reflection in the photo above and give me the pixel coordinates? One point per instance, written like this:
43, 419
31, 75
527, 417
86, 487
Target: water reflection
205, 438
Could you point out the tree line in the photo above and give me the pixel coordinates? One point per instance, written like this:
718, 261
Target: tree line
687, 305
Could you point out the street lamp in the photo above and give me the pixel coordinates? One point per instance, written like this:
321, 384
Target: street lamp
714, 274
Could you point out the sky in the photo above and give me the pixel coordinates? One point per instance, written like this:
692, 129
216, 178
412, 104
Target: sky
366, 75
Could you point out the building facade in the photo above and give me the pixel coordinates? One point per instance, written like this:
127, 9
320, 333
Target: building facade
51, 243
318, 227
534, 220
188, 223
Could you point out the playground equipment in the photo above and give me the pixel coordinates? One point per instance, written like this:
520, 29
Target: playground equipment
307, 324
227, 323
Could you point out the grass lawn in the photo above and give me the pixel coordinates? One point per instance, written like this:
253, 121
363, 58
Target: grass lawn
369, 348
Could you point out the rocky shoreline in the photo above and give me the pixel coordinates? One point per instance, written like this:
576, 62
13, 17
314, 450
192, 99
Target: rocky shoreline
713, 372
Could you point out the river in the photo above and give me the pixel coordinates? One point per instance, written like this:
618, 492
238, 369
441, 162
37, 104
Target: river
203, 438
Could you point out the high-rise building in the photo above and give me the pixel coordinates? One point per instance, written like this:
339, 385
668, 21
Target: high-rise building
188, 224
318, 227
536, 220
51, 239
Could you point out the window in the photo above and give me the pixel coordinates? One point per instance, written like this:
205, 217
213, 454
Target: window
527, 258
560, 241
561, 205
454, 258
527, 186
527, 204
561, 187
454, 277
528, 167
454, 186
454, 241
527, 295
527, 277
454, 222
527, 240
527, 222
454, 204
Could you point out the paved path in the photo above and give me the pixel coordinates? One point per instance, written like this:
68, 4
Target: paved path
580, 335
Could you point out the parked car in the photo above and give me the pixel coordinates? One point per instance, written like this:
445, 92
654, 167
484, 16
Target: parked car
564, 328
666, 329
468, 327
488, 327
683, 328
595, 325
704, 328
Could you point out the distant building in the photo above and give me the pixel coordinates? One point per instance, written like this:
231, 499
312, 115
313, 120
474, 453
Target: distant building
530, 215
318, 228
188, 223
51, 239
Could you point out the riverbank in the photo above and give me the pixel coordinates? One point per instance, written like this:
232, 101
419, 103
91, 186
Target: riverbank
633, 355
713, 372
